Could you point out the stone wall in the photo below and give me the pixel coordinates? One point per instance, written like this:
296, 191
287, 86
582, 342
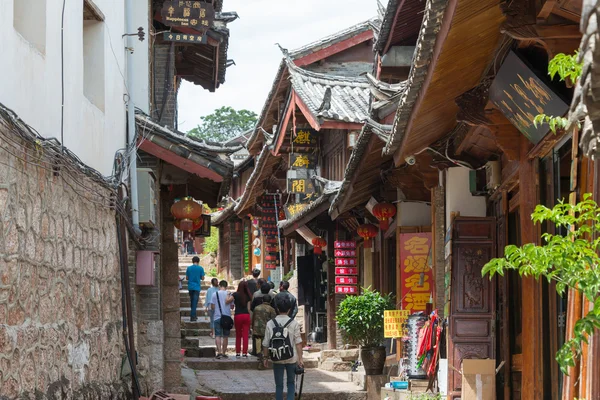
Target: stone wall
60, 286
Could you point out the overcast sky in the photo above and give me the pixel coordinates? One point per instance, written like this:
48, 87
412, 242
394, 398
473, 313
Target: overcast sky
262, 23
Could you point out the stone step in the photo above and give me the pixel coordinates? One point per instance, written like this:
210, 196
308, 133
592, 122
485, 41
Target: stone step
232, 363
200, 311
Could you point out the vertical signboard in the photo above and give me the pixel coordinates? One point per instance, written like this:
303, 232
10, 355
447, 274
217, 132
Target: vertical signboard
346, 269
415, 272
246, 248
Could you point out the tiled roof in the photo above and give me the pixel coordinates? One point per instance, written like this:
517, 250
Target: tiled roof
327, 41
217, 218
322, 201
387, 24
432, 23
331, 97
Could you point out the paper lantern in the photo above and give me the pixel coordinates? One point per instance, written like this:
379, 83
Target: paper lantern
187, 225
367, 232
186, 209
384, 212
319, 243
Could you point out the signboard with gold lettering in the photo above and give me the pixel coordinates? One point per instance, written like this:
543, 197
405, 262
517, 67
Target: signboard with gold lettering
415, 274
394, 323
197, 15
184, 38
303, 161
301, 186
305, 138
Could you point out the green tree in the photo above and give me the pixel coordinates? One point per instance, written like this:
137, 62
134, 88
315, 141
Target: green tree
223, 124
572, 261
211, 243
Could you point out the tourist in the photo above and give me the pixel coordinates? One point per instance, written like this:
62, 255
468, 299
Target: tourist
253, 283
284, 293
286, 351
259, 283
194, 275
242, 299
262, 314
214, 282
265, 290
221, 309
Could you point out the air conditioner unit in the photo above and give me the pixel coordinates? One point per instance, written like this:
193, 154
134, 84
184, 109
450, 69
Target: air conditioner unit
493, 175
146, 197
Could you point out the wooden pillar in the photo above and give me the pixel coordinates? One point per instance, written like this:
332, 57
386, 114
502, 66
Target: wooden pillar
368, 268
532, 335
438, 217
593, 372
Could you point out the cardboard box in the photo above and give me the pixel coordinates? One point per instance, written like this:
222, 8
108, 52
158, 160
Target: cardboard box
478, 380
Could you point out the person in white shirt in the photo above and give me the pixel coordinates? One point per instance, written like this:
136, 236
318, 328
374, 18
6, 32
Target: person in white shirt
224, 299
288, 366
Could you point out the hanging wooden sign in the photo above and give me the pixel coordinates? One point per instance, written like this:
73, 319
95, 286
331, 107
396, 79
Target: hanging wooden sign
346, 271
344, 244
184, 38
344, 253
303, 161
346, 280
305, 137
197, 15
346, 289
345, 262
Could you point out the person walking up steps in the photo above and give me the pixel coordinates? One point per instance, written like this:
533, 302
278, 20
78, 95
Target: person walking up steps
283, 344
214, 282
195, 275
261, 316
253, 285
284, 293
223, 322
242, 300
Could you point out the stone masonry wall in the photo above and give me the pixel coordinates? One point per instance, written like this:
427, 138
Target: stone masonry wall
60, 286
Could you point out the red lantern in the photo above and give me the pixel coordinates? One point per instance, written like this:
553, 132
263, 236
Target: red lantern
186, 209
367, 232
319, 243
187, 225
384, 212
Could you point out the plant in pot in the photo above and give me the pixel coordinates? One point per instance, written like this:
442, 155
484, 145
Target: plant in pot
360, 319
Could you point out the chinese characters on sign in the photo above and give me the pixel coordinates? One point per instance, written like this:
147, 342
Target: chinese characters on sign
346, 289
305, 138
348, 244
301, 186
344, 253
184, 38
294, 208
346, 271
345, 261
303, 161
415, 273
189, 14
346, 280
393, 323
346, 267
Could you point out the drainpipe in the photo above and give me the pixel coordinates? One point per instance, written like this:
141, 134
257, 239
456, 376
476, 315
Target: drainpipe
135, 216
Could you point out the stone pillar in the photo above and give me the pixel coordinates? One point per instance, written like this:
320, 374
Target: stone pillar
170, 298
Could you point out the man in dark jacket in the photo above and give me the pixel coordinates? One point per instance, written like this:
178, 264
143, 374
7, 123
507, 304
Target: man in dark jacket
253, 283
283, 292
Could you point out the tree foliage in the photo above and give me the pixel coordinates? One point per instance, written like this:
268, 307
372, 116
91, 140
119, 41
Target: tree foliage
223, 124
360, 318
571, 261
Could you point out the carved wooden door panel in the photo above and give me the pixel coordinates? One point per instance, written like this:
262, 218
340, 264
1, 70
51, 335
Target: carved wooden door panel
473, 297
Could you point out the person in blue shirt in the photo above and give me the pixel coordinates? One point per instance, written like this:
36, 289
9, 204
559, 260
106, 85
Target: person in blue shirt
194, 275
209, 295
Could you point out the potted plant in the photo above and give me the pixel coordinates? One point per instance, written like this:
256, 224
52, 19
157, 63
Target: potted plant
360, 319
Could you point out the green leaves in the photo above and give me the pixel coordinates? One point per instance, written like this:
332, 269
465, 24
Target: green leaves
555, 123
223, 124
360, 318
566, 66
571, 261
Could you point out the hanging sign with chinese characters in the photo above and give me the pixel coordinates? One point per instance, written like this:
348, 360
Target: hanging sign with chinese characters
346, 271
303, 161
346, 289
197, 15
344, 244
345, 262
301, 186
292, 209
346, 280
394, 323
344, 253
305, 138
184, 38
415, 273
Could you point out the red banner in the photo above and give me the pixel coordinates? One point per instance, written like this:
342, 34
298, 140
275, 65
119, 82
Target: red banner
344, 244
345, 261
346, 289
415, 272
346, 280
344, 253
346, 271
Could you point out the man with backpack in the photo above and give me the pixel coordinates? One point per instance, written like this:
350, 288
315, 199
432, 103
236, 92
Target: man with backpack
283, 344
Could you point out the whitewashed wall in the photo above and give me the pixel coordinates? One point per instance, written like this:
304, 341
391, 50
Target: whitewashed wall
415, 214
141, 56
30, 80
459, 197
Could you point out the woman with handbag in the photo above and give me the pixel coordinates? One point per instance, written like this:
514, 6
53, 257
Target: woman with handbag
222, 317
242, 299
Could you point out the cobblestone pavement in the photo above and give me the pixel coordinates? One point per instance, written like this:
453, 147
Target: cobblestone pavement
259, 385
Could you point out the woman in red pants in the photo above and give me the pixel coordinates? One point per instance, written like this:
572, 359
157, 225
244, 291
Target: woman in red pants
242, 299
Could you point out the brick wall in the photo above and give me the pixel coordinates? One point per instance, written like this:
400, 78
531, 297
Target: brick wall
164, 95
60, 280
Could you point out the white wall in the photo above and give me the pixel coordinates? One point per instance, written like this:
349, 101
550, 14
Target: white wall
30, 81
415, 214
141, 78
459, 197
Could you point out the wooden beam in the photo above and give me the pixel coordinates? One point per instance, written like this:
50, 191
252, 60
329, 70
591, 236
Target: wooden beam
508, 139
283, 125
306, 112
334, 49
341, 125
546, 9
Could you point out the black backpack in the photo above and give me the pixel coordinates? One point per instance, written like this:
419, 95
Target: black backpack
280, 346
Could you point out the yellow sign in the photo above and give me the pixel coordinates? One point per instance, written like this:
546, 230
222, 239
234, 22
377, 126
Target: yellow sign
393, 323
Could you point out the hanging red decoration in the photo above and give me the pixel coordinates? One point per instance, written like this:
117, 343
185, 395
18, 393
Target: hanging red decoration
367, 232
185, 226
384, 212
186, 208
319, 243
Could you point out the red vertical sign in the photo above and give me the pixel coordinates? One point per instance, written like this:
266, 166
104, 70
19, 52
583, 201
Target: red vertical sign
415, 273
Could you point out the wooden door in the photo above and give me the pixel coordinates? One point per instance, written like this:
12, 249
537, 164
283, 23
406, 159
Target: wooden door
472, 322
